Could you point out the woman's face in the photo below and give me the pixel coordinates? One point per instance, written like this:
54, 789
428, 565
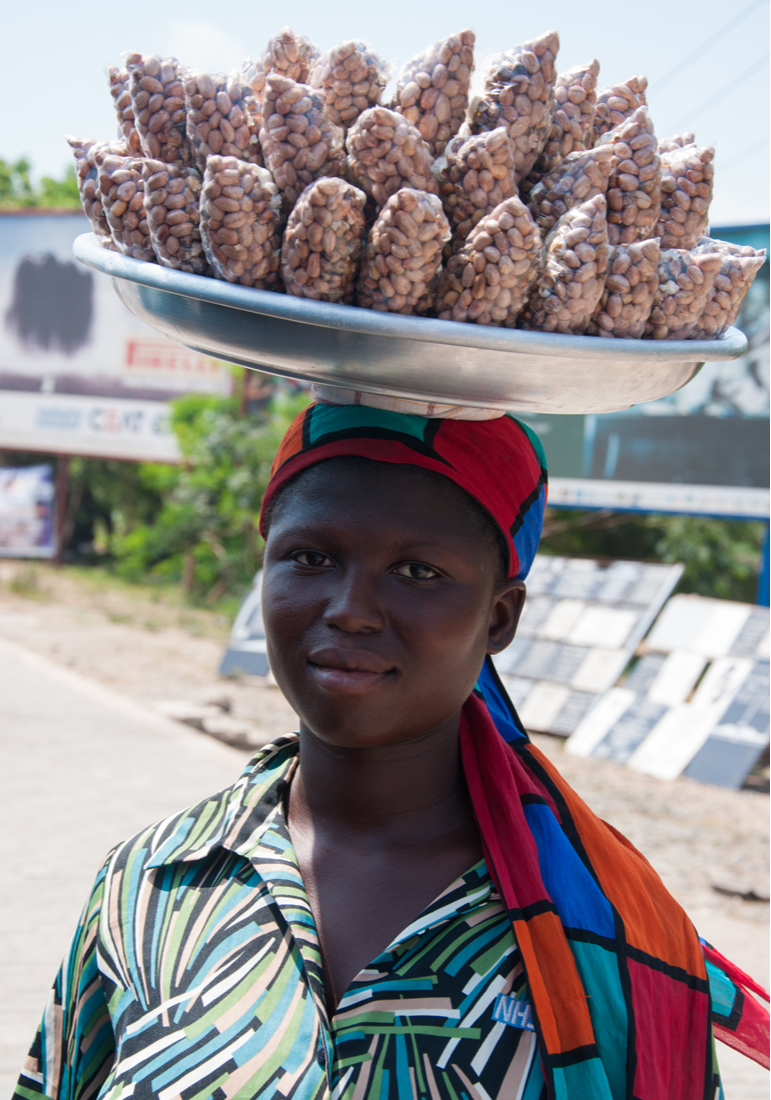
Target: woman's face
380, 601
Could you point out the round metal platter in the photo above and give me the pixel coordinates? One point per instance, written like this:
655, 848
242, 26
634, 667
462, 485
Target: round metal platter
414, 357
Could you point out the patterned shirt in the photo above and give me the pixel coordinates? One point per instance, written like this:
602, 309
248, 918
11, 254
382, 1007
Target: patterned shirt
195, 973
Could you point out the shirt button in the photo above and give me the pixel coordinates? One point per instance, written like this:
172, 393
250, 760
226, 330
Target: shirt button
321, 1056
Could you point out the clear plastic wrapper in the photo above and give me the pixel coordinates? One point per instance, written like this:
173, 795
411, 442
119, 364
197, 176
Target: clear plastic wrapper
634, 189
630, 288
477, 176
572, 124
687, 180
577, 177
223, 118
618, 103
287, 54
519, 94
666, 145
122, 187
119, 82
403, 256
299, 143
686, 278
241, 222
488, 281
87, 156
432, 92
387, 153
738, 268
352, 78
172, 201
158, 102
573, 270
323, 242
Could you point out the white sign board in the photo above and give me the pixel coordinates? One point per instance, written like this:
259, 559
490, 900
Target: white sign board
27, 512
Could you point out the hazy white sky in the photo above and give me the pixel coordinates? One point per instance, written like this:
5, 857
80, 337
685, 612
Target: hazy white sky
53, 75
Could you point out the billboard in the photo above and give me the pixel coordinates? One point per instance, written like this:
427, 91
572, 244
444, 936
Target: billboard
79, 374
703, 449
27, 512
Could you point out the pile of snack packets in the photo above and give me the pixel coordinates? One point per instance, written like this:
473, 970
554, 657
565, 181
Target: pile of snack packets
540, 204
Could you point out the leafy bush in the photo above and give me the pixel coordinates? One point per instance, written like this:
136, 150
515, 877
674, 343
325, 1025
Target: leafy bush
17, 189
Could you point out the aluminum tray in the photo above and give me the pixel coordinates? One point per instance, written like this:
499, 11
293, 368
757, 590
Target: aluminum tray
423, 358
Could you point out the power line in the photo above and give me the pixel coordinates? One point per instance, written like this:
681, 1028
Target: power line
746, 152
735, 83
681, 65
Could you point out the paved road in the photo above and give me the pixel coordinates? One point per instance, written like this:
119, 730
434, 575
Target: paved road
82, 768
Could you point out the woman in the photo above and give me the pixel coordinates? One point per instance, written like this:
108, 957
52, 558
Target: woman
404, 900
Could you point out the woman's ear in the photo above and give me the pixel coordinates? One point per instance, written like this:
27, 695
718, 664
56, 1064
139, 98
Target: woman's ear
504, 616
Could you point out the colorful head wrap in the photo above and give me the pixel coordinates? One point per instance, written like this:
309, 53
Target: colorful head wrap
624, 995
499, 462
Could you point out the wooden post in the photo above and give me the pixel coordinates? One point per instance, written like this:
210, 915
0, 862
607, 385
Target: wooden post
62, 471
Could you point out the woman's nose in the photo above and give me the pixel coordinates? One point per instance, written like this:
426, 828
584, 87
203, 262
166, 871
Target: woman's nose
355, 605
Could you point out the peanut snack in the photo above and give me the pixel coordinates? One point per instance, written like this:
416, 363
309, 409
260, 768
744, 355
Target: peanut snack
323, 241
580, 176
432, 91
119, 81
630, 288
240, 222
519, 94
298, 141
387, 153
223, 118
489, 280
287, 54
478, 176
666, 145
171, 200
158, 103
634, 188
572, 275
404, 254
121, 188
88, 155
618, 103
686, 191
352, 78
572, 124
685, 280
739, 266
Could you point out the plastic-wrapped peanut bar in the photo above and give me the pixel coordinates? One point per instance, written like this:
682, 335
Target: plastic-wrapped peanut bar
580, 176
634, 189
432, 91
171, 200
223, 118
404, 254
739, 266
630, 288
240, 222
572, 275
88, 155
298, 141
572, 124
489, 280
387, 153
667, 145
352, 78
685, 280
519, 94
618, 103
122, 187
158, 102
478, 176
687, 176
287, 54
323, 241
119, 90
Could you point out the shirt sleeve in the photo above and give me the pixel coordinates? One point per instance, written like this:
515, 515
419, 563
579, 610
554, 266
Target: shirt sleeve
74, 1048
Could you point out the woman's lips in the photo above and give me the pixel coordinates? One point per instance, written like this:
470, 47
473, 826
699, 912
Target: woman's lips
348, 673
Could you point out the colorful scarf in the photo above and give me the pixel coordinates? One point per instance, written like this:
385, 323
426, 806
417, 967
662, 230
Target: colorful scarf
622, 989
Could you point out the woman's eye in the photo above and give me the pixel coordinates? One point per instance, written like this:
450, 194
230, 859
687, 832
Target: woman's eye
312, 558
415, 571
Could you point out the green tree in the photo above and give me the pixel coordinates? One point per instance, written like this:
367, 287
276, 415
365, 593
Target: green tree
17, 189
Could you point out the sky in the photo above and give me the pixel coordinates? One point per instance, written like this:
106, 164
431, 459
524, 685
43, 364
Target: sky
707, 63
